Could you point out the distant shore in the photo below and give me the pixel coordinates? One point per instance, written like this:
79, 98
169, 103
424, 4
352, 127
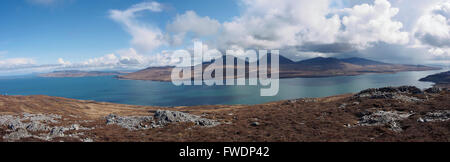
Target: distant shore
311, 68
149, 75
78, 73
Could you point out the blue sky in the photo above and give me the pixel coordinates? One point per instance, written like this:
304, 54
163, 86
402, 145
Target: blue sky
47, 35
77, 30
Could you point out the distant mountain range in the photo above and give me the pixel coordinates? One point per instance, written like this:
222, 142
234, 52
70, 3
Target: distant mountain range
78, 73
315, 67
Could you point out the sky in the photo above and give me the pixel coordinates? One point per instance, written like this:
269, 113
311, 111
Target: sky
46, 35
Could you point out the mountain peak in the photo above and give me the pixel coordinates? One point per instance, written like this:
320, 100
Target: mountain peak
320, 60
282, 59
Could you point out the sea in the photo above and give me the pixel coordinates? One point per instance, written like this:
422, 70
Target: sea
155, 93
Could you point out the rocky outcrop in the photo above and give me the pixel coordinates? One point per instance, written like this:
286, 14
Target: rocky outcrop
25, 126
47, 126
29, 122
131, 122
384, 118
389, 90
403, 93
160, 119
440, 115
433, 90
165, 117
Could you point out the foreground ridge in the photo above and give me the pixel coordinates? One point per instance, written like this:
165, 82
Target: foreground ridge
382, 114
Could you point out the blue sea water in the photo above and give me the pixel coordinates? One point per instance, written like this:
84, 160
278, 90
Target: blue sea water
135, 92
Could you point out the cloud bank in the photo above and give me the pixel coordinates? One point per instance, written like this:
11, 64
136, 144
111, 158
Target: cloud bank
415, 31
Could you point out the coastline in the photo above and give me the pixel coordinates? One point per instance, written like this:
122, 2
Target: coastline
282, 76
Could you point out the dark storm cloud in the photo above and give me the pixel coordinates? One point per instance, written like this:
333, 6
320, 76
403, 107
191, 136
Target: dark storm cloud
391, 53
129, 61
432, 40
444, 13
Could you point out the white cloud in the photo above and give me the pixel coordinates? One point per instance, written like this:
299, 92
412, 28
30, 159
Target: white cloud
290, 23
367, 24
121, 59
131, 57
433, 28
299, 28
277, 24
13, 63
191, 22
411, 10
21, 65
64, 63
164, 58
432, 31
145, 37
267, 24
439, 51
106, 60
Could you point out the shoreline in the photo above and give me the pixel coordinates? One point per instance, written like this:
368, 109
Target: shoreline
290, 77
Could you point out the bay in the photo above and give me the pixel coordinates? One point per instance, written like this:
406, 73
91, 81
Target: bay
136, 92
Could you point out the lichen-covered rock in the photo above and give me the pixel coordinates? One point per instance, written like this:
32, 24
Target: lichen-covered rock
17, 135
433, 90
409, 89
51, 118
57, 131
165, 117
29, 125
37, 126
75, 127
387, 118
440, 115
130, 122
405, 98
30, 122
403, 93
160, 119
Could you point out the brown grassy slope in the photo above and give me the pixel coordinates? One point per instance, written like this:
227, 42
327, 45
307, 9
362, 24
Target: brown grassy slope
296, 120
